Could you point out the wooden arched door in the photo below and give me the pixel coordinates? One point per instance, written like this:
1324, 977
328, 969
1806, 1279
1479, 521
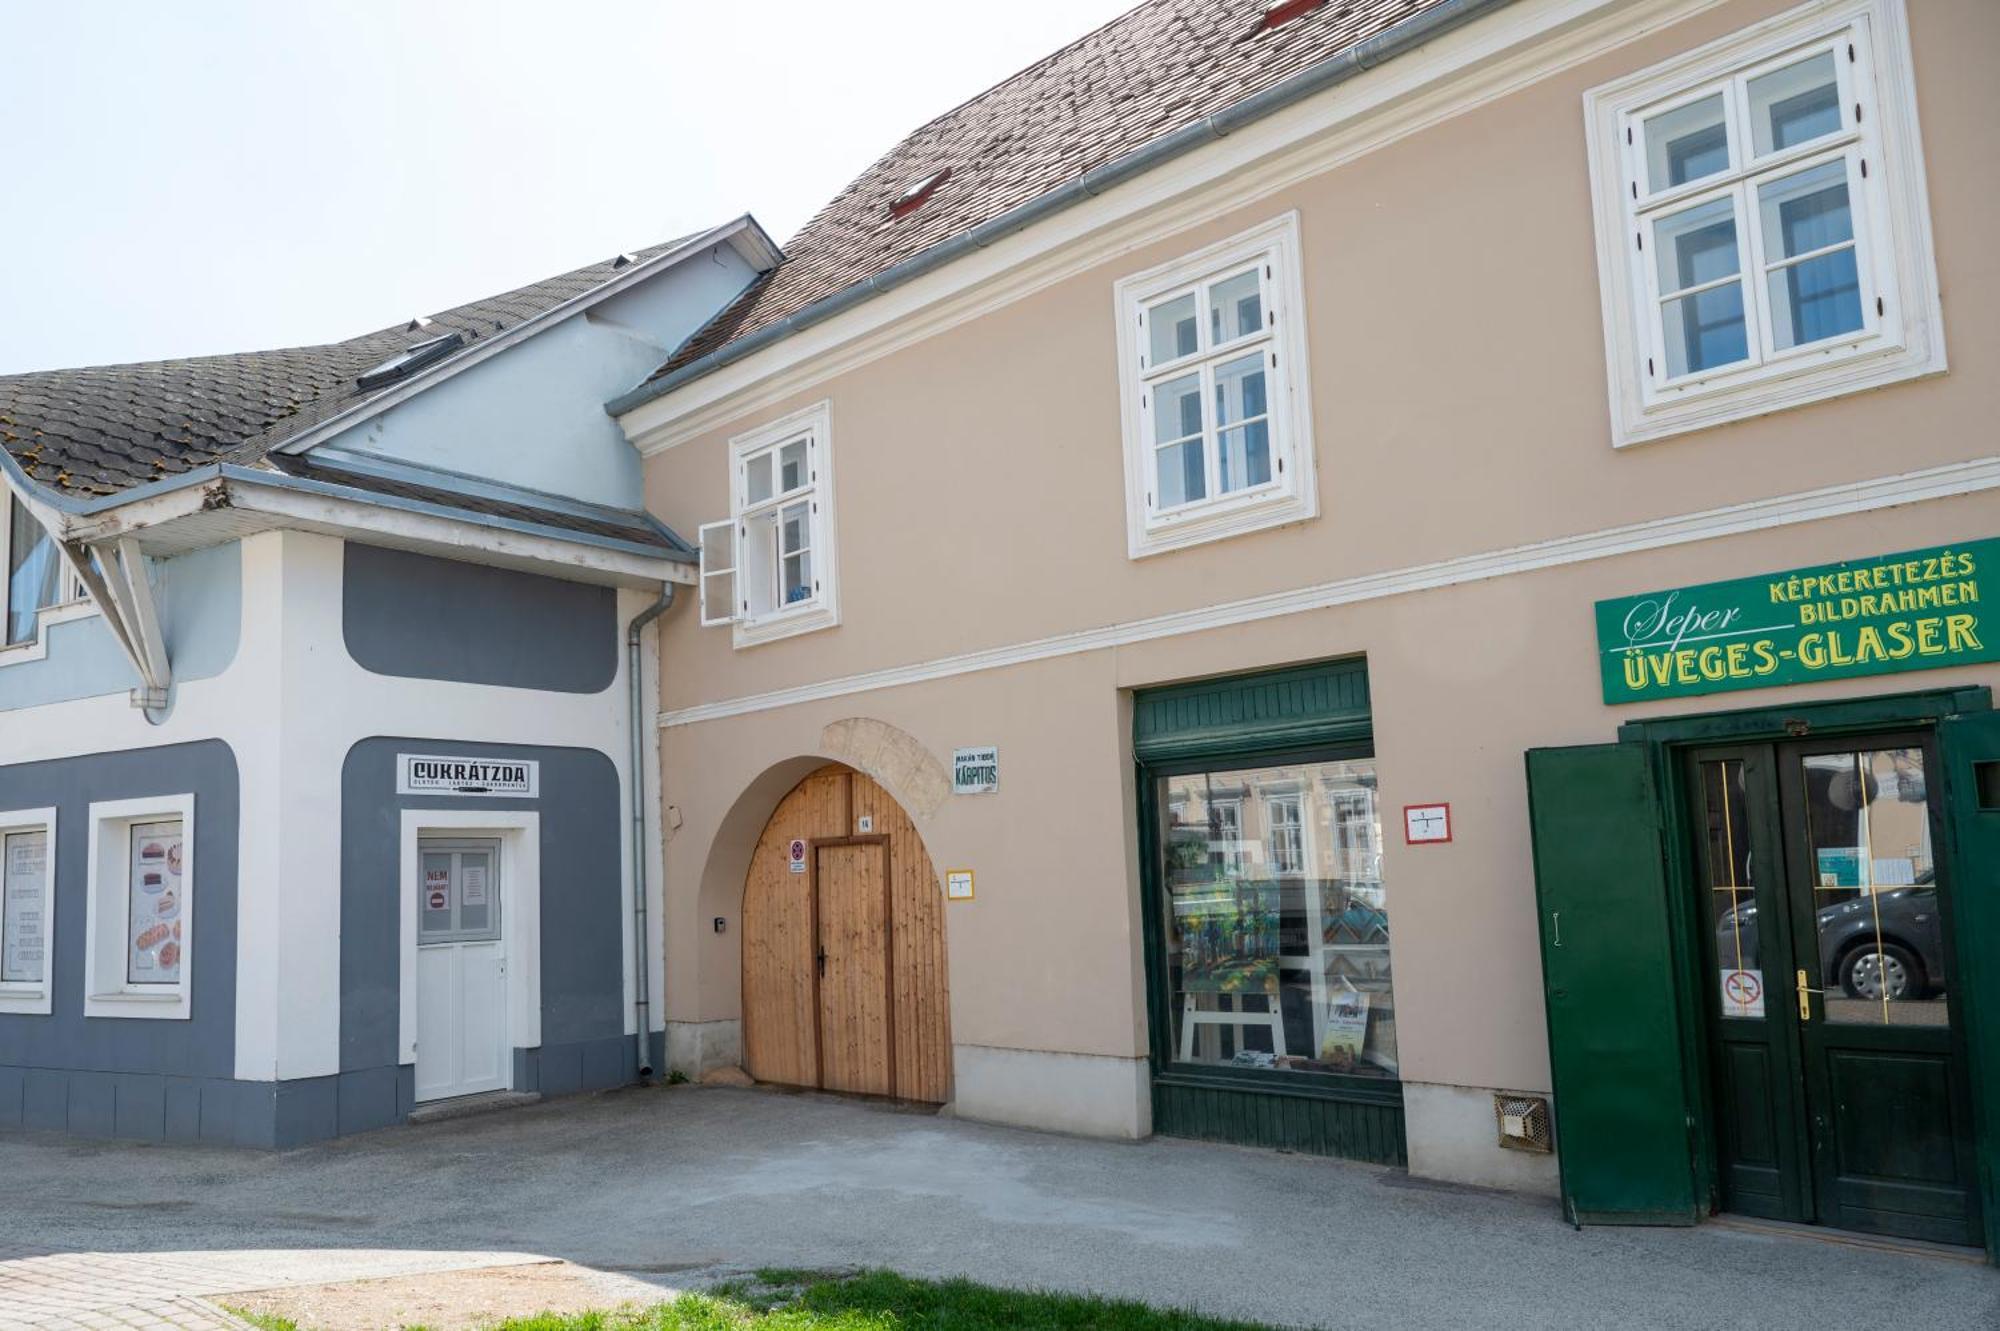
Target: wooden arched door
843, 946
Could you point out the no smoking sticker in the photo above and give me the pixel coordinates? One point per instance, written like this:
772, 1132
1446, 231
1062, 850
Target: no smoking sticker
1743, 993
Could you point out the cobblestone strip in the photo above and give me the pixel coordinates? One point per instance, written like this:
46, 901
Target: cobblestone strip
41, 1290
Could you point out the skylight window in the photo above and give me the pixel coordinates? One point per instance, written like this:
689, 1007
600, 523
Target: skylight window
1278, 12
409, 361
918, 193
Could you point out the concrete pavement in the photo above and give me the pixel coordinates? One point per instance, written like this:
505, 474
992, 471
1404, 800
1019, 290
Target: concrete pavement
677, 1186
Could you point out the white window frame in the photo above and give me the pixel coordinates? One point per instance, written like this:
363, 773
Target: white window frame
722, 543
106, 990
72, 601
1292, 495
31, 997
1901, 339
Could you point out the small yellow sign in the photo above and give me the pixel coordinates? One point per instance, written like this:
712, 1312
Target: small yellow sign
958, 884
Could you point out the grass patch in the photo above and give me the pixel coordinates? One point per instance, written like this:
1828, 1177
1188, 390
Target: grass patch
783, 1300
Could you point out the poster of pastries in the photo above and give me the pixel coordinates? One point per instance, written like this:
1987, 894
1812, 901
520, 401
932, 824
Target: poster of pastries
22, 928
158, 895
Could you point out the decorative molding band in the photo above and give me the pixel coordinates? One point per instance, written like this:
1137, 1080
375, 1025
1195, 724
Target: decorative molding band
1953, 479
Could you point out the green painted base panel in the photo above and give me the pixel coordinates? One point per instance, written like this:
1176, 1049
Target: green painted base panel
1372, 1133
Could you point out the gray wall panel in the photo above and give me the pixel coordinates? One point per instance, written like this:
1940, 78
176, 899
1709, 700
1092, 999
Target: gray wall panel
66, 1040
582, 951
425, 618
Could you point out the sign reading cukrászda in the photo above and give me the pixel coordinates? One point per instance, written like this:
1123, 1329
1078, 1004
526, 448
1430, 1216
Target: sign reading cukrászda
432, 774
1914, 611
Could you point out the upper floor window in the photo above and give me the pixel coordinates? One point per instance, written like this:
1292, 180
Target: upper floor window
769, 568
1761, 222
37, 575
1212, 356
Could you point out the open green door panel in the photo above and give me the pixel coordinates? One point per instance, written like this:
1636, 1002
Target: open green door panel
1615, 1046
1970, 748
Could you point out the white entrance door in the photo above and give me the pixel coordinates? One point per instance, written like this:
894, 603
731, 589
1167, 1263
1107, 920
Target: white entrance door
462, 1045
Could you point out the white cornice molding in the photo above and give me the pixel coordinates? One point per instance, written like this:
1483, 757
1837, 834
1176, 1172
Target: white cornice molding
1466, 68
1958, 478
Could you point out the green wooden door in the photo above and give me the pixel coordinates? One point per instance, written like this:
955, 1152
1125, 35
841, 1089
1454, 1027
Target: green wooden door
1614, 1038
1969, 754
1874, 988
1760, 1143
1830, 985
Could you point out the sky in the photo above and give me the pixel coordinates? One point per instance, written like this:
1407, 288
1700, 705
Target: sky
208, 176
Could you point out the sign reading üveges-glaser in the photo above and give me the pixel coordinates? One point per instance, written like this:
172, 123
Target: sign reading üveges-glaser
434, 774
1914, 611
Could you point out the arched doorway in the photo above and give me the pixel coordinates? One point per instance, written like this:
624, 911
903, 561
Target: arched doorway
843, 946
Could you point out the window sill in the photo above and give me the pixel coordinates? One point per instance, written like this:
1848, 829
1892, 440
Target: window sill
1278, 508
785, 624
25, 1000
1695, 406
37, 647
158, 1007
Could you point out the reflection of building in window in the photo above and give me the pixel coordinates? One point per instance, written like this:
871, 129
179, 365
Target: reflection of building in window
1225, 833
1285, 836
1357, 841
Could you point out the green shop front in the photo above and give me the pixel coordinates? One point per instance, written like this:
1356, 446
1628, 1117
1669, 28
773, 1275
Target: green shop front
1271, 1006
1768, 931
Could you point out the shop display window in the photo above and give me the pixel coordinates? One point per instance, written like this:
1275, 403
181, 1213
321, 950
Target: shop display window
27, 886
1276, 925
140, 908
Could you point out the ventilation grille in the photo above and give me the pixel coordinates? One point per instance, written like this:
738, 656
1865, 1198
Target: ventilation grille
1523, 1123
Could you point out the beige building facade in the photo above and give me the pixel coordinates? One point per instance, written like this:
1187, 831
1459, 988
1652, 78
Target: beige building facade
1465, 453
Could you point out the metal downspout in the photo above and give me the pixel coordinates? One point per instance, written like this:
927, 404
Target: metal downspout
642, 968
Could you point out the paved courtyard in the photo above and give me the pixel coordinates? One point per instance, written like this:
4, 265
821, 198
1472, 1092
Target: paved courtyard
678, 1187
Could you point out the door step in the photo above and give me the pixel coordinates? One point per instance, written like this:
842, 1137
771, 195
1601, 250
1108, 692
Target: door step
465, 1106
1849, 1238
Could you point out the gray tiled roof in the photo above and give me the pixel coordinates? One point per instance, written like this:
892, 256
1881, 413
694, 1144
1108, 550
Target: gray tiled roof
106, 428
1152, 70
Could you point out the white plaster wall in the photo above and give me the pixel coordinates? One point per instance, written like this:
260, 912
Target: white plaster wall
533, 416
290, 706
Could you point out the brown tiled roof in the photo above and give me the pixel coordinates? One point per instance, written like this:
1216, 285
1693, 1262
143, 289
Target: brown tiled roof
107, 428
1152, 70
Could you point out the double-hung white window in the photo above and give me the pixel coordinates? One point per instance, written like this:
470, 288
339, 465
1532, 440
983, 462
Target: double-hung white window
769, 569
1765, 232
27, 908
1212, 361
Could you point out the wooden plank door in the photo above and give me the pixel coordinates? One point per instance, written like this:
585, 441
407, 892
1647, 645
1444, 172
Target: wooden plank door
780, 939
855, 1010
921, 1001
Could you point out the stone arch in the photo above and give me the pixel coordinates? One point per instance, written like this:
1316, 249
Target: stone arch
894, 758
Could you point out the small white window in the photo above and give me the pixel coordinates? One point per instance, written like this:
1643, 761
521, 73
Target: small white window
769, 569
139, 956
1211, 358
27, 908
1762, 232
38, 577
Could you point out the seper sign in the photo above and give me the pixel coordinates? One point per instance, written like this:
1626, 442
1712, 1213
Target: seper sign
1916, 611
